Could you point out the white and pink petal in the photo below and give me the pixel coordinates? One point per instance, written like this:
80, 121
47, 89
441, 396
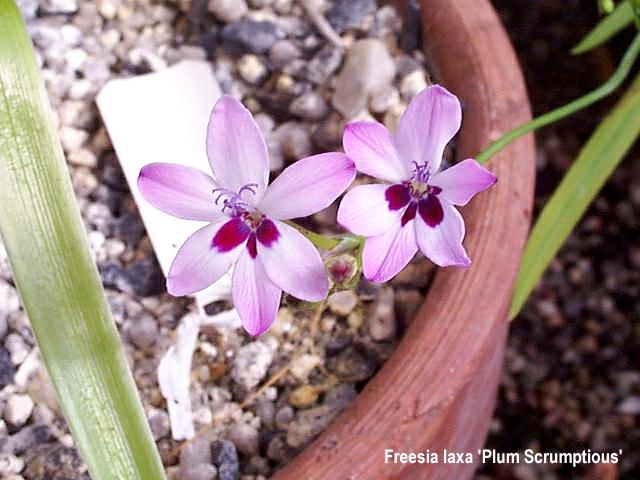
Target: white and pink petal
430, 122
442, 243
255, 296
184, 192
204, 257
291, 261
385, 255
308, 186
236, 148
463, 180
371, 210
373, 149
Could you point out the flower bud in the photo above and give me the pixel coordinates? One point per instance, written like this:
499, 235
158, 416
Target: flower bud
342, 268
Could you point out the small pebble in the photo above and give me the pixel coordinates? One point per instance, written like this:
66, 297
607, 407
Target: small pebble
284, 416
382, 318
225, 457
10, 464
310, 106
413, 84
347, 14
283, 52
342, 303
199, 472
59, 6
251, 364
245, 438
308, 424
323, 64
17, 347
72, 138
251, 69
159, 423
304, 396
248, 36
294, 140
228, 11
630, 405
368, 68
7, 368
144, 331
18, 409
383, 99
302, 366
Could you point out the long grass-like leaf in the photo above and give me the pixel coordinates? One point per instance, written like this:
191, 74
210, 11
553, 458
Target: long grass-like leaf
595, 163
56, 277
609, 26
607, 88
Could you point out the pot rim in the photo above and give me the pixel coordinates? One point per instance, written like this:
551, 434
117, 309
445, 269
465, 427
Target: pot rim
438, 388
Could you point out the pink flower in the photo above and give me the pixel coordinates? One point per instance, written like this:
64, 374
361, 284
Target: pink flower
415, 210
245, 217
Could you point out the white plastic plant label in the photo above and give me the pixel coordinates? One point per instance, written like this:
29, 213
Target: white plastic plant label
162, 117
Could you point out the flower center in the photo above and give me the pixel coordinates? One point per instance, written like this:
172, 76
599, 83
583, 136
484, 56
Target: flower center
418, 197
246, 224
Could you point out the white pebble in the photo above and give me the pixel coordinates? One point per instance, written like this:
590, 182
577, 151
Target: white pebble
413, 84
18, 409
251, 69
251, 364
17, 347
10, 464
228, 11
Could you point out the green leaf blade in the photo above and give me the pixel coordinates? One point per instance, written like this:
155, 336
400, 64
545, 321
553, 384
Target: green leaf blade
608, 27
595, 163
56, 277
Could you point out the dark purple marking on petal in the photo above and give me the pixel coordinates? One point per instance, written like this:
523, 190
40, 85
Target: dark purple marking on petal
435, 190
430, 209
409, 214
230, 235
397, 196
267, 232
251, 246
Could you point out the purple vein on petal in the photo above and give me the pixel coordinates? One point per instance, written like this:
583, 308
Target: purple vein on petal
268, 233
251, 246
230, 235
397, 196
431, 211
409, 214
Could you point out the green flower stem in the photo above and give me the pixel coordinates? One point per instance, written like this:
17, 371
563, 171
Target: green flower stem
599, 93
56, 277
320, 241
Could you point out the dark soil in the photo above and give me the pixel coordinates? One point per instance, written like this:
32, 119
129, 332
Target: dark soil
571, 380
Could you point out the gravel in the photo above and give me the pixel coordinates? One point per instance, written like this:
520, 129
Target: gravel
268, 54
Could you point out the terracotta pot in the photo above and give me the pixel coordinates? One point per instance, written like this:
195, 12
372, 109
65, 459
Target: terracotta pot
438, 389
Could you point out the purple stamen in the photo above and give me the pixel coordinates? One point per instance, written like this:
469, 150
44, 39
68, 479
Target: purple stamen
249, 187
421, 172
233, 201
